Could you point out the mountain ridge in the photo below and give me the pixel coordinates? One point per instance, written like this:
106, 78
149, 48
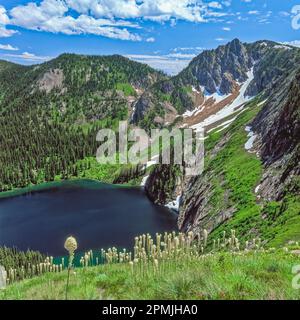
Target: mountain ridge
251, 178
220, 71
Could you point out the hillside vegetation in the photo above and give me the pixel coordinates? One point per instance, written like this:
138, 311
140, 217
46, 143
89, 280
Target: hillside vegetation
50, 114
222, 276
228, 194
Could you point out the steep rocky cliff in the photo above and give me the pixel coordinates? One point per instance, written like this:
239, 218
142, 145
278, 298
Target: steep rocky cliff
255, 191
164, 184
278, 129
251, 178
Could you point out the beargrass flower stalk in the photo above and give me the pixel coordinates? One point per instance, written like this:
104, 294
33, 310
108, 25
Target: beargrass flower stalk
224, 237
156, 267
71, 247
247, 245
259, 242
232, 232
205, 235
131, 264
199, 239
86, 259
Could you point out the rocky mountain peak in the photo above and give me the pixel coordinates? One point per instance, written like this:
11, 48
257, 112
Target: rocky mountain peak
213, 67
219, 72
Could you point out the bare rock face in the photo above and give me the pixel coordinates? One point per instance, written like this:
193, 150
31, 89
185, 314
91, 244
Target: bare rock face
53, 79
279, 127
278, 145
227, 83
281, 135
215, 69
164, 184
196, 210
220, 70
141, 107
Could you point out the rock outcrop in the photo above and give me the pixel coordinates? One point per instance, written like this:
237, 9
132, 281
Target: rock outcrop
220, 195
219, 71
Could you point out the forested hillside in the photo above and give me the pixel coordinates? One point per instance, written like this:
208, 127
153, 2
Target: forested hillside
50, 113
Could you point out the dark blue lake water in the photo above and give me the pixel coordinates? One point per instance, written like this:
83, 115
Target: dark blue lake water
98, 215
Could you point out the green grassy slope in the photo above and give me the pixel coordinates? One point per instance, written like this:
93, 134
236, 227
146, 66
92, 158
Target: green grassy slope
231, 176
219, 276
278, 222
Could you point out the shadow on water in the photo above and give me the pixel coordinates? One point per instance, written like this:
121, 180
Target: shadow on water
97, 214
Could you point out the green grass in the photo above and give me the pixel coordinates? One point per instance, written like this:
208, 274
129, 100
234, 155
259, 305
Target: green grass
107, 173
265, 275
97, 171
126, 88
235, 173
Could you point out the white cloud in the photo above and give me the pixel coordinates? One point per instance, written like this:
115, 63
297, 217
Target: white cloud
181, 55
253, 12
5, 33
3, 16
171, 63
295, 43
264, 21
108, 18
226, 3
215, 4
31, 57
8, 47
269, 13
173, 22
50, 16
4, 20
151, 39
156, 10
284, 14
242, 18
188, 49
226, 28
220, 39
216, 14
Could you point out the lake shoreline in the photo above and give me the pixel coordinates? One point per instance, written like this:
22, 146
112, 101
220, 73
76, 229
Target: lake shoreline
98, 215
58, 183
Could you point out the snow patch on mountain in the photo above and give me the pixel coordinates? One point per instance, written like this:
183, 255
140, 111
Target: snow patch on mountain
251, 136
174, 205
231, 108
217, 96
143, 183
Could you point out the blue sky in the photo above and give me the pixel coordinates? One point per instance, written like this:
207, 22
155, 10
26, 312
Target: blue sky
163, 33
